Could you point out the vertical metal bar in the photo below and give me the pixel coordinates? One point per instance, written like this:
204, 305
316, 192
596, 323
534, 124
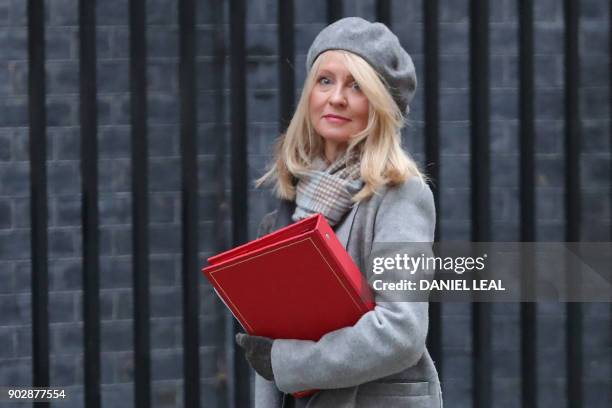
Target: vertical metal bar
189, 177
239, 170
526, 112
432, 154
479, 115
224, 320
432, 99
572, 126
572, 196
529, 366
89, 205
610, 124
334, 10
383, 12
480, 170
286, 61
140, 211
38, 193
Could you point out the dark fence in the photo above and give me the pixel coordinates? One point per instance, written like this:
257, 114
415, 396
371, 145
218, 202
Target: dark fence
238, 374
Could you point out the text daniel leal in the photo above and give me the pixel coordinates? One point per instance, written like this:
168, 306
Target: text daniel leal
453, 284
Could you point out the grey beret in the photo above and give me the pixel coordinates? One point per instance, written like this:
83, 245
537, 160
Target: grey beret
376, 44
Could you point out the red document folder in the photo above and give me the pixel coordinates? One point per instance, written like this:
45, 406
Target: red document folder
295, 283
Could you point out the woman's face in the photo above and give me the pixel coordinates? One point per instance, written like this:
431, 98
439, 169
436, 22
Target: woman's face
338, 107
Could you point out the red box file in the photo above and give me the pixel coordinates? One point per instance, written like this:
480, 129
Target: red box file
295, 283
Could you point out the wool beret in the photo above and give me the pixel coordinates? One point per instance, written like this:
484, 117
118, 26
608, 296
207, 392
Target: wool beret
376, 44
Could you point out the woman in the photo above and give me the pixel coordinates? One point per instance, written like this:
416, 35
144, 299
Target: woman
341, 157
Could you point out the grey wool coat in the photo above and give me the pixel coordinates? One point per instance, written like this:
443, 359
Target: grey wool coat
382, 360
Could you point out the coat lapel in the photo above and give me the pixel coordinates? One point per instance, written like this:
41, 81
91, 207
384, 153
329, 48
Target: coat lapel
285, 210
343, 232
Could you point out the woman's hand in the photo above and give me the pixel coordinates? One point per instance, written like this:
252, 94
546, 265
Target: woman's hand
258, 351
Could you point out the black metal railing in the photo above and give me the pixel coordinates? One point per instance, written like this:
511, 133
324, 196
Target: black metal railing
38, 193
529, 370
89, 204
239, 174
573, 329
140, 196
238, 376
189, 213
432, 152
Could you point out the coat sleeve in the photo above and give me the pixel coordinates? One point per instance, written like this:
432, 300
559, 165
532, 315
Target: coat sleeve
384, 341
266, 393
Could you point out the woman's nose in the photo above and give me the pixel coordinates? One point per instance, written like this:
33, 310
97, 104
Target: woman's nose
338, 97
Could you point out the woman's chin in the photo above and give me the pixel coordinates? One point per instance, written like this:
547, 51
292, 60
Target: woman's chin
335, 137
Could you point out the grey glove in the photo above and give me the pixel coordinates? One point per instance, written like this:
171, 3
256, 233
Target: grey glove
258, 352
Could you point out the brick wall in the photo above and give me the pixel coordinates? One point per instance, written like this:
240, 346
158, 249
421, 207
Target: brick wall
213, 149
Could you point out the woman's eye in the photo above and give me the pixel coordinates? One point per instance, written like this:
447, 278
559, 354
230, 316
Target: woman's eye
356, 86
324, 81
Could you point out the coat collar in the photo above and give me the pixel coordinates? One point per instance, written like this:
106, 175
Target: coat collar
286, 209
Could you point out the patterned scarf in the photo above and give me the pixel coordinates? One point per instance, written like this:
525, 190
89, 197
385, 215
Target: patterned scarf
327, 189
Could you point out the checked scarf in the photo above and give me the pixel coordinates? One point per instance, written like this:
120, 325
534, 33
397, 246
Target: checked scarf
327, 189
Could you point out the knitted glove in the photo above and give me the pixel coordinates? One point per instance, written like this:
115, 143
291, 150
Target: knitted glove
258, 352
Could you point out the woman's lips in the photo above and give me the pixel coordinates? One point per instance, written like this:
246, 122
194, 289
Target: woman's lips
336, 119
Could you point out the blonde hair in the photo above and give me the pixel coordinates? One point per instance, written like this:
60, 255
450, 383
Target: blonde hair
383, 161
